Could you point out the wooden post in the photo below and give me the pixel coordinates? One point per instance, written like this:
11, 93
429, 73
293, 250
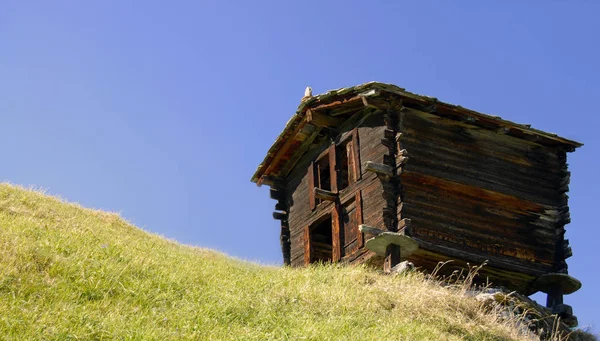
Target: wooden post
335, 231
555, 296
392, 257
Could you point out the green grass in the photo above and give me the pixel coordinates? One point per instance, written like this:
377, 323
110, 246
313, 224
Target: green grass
70, 273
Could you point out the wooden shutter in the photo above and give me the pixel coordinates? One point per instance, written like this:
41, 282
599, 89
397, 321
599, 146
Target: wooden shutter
307, 245
311, 185
355, 156
333, 169
335, 232
359, 219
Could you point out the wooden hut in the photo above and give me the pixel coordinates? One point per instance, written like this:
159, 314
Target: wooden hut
477, 188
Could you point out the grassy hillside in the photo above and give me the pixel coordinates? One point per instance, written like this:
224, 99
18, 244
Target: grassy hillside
70, 273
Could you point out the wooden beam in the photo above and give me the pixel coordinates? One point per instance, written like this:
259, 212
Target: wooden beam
404, 223
307, 249
359, 217
379, 169
311, 186
336, 103
322, 120
333, 171
325, 195
370, 230
335, 233
298, 154
280, 206
365, 95
282, 150
285, 244
392, 257
279, 215
355, 155
277, 194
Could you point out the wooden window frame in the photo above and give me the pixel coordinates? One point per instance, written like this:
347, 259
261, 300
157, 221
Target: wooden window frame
336, 229
356, 175
331, 154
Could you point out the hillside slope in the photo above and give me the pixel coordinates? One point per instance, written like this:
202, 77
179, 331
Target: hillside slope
72, 273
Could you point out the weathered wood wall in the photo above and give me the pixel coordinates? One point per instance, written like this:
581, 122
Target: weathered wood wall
370, 133
471, 194
478, 194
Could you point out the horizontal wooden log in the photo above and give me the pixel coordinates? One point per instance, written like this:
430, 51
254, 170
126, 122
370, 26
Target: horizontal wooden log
323, 120
476, 240
297, 156
279, 215
389, 134
503, 184
494, 261
273, 181
325, 195
379, 168
389, 143
438, 127
389, 160
277, 194
280, 206
567, 252
404, 223
370, 230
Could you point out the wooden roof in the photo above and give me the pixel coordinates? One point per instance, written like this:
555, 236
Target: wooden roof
331, 109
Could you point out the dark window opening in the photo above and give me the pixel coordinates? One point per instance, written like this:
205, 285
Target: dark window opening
321, 178
324, 175
321, 241
345, 164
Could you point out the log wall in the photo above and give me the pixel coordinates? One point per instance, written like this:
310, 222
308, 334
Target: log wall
478, 194
300, 215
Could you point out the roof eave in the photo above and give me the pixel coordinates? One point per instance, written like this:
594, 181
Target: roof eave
390, 88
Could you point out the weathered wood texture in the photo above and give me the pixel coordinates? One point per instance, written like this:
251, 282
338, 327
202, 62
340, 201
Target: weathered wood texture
278, 193
300, 214
476, 194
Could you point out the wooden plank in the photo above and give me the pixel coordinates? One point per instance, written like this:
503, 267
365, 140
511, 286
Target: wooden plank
283, 149
370, 230
528, 268
323, 120
297, 156
325, 195
355, 155
454, 112
379, 168
351, 100
392, 257
279, 215
285, 244
333, 171
311, 186
359, 218
277, 194
281, 206
473, 193
307, 245
335, 231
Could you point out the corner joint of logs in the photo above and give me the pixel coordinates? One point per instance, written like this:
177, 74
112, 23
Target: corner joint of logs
325, 195
380, 169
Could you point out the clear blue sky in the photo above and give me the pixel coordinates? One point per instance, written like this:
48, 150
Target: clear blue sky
162, 110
